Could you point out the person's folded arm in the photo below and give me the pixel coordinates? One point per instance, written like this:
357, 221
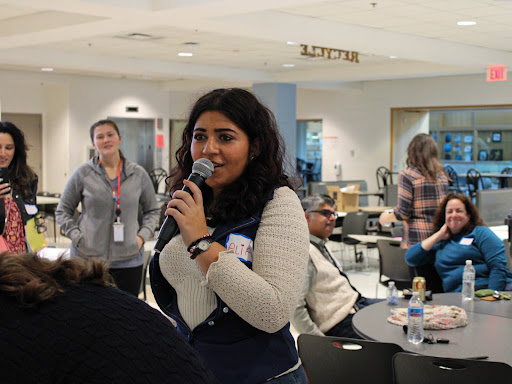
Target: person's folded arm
301, 320
266, 296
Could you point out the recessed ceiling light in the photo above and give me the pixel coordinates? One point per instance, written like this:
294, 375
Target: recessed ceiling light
466, 22
393, 57
185, 54
292, 43
47, 69
288, 65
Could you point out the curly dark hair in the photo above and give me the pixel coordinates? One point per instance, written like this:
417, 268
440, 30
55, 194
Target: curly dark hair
31, 279
423, 154
471, 209
250, 192
20, 173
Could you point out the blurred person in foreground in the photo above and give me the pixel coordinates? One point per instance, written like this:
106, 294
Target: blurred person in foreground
64, 321
328, 301
421, 187
232, 298
460, 235
111, 188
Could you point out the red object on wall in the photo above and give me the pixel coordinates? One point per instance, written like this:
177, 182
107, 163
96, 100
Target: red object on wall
496, 73
159, 140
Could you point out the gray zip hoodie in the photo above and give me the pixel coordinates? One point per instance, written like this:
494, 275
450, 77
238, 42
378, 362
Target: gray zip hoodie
93, 231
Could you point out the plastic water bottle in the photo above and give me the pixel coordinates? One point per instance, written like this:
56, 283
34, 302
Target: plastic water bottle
392, 294
415, 316
468, 281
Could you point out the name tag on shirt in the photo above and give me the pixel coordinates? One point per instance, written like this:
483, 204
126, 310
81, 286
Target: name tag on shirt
242, 246
31, 209
118, 232
466, 241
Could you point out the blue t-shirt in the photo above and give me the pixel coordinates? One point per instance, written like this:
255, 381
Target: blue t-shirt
481, 245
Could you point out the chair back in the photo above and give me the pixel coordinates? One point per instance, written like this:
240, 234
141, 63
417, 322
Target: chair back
507, 183
493, 205
354, 224
392, 264
383, 175
474, 182
421, 369
329, 360
453, 181
391, 195
157, 175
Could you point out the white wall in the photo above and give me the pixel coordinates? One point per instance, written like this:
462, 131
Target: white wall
70, 104
358, 121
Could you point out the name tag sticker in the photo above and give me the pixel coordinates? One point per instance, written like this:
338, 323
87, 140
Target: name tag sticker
466, 241
31, 209
242, 246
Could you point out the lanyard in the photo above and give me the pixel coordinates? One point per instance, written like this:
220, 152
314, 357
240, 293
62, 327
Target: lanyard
117, 196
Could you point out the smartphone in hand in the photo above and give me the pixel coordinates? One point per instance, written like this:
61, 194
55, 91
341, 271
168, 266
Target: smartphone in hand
4, 175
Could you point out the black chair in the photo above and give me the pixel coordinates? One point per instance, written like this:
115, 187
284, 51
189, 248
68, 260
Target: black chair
474, 182
157, 175
354, 223
453, 181
383, 175
392, 265
329, 360
506, 183
421, 369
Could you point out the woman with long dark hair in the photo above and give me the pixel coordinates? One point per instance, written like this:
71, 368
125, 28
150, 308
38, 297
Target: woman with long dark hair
420, 189
18, 192
460, 235
248, 240
111, 188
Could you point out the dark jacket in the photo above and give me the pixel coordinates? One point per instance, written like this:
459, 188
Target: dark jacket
94, 335
233, 349
21, 200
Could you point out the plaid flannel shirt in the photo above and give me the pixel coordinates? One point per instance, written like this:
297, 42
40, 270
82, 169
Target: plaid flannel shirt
418, 199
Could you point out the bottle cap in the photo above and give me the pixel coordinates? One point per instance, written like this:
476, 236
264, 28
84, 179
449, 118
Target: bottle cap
469, 262
391, 284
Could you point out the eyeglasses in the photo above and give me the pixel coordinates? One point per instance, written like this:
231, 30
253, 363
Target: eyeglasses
326, 212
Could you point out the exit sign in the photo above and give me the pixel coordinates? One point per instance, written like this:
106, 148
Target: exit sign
497, 73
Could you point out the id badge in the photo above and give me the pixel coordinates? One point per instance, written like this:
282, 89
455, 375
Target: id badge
118, 232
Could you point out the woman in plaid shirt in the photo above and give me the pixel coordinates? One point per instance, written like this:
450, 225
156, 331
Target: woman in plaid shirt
421, 187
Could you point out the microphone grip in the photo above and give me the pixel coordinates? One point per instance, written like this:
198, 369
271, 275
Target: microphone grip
170, 228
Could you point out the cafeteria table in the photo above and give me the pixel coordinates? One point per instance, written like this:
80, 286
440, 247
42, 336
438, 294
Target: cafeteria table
488, 332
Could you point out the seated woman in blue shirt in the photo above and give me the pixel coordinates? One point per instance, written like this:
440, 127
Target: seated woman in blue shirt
460, 235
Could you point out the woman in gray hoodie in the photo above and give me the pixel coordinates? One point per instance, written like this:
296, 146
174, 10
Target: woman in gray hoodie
110, 188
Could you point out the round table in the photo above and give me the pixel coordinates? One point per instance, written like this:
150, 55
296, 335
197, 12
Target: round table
488, 333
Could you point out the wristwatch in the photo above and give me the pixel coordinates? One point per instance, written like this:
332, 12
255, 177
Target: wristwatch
199, 246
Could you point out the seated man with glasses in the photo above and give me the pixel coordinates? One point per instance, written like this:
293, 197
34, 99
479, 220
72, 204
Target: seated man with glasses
328, 301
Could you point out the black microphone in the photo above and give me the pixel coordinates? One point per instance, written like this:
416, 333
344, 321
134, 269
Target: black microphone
201, 170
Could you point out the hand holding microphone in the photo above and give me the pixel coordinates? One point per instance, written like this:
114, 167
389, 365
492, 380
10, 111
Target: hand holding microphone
201, 170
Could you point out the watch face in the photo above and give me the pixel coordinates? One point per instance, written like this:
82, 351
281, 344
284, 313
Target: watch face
203, 245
